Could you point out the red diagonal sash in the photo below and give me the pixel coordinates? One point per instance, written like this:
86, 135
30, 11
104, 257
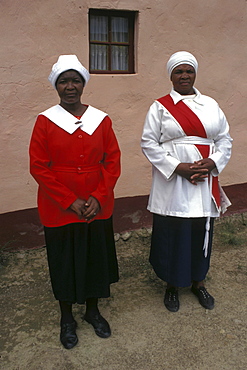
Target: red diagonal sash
192, 126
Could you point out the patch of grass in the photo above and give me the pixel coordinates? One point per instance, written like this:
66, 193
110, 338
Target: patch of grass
134, 265
242, 269
3, 248
230, 232
6, 245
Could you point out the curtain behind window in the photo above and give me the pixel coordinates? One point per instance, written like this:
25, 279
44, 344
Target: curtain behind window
99, 53
119, 54
98, 32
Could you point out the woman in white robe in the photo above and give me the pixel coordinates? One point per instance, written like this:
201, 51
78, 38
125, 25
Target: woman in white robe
186, 139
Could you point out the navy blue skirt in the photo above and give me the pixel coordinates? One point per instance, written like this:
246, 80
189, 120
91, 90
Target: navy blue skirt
176, 253
82, 260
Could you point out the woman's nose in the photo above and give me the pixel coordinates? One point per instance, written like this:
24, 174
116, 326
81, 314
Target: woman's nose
70, 85
185, 75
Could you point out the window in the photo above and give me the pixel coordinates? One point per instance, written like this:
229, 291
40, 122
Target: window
111, 39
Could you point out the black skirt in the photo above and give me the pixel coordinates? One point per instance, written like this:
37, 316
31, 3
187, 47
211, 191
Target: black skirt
82, 260
177, 254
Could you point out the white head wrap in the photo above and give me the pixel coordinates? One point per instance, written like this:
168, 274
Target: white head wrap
181, 57
65, 63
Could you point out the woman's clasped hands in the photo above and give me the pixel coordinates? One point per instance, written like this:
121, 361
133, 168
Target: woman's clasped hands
197, 171
86, 209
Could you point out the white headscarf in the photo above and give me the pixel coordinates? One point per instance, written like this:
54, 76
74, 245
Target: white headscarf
181, 57
65, 63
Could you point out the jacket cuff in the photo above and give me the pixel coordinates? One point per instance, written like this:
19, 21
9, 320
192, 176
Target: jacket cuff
219, 161
66, 202
170, 167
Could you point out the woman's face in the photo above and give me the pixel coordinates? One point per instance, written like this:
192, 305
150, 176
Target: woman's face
70, 86
183, 78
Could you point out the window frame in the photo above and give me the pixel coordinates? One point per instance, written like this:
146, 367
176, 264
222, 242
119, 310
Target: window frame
131, 15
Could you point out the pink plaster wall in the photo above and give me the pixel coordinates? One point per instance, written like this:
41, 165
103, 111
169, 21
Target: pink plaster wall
34, 33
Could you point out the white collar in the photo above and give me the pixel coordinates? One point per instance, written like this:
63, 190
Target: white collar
176, 97
88, 122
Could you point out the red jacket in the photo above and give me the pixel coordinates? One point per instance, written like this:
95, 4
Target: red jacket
70, 166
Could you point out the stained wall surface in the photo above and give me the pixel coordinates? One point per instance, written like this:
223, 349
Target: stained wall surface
34, 33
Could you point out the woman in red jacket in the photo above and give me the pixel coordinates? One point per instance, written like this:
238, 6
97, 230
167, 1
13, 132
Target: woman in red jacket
75, 159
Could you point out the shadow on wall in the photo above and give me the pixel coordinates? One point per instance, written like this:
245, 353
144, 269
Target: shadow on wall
22, 229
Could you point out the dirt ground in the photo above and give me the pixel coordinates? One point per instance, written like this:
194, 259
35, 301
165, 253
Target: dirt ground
144, 334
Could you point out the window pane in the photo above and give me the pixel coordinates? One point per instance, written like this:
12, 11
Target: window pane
119, 27
119, 58
111, 41
98, 60
98, 28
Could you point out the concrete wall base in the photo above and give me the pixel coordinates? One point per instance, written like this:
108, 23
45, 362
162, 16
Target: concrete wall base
22, 229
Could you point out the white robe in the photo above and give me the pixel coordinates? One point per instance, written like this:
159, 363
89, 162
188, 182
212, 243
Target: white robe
165, 144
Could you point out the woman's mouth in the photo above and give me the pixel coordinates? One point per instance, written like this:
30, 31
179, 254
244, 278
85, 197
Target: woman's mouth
70, 95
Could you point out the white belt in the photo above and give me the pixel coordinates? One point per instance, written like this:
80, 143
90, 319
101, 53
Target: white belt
194, 140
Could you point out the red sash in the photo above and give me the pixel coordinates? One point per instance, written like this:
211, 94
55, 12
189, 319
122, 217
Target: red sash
192, 126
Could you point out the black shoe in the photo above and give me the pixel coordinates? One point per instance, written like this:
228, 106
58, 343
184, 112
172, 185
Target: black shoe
100, 325
171, 299
205, 299
68, 335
